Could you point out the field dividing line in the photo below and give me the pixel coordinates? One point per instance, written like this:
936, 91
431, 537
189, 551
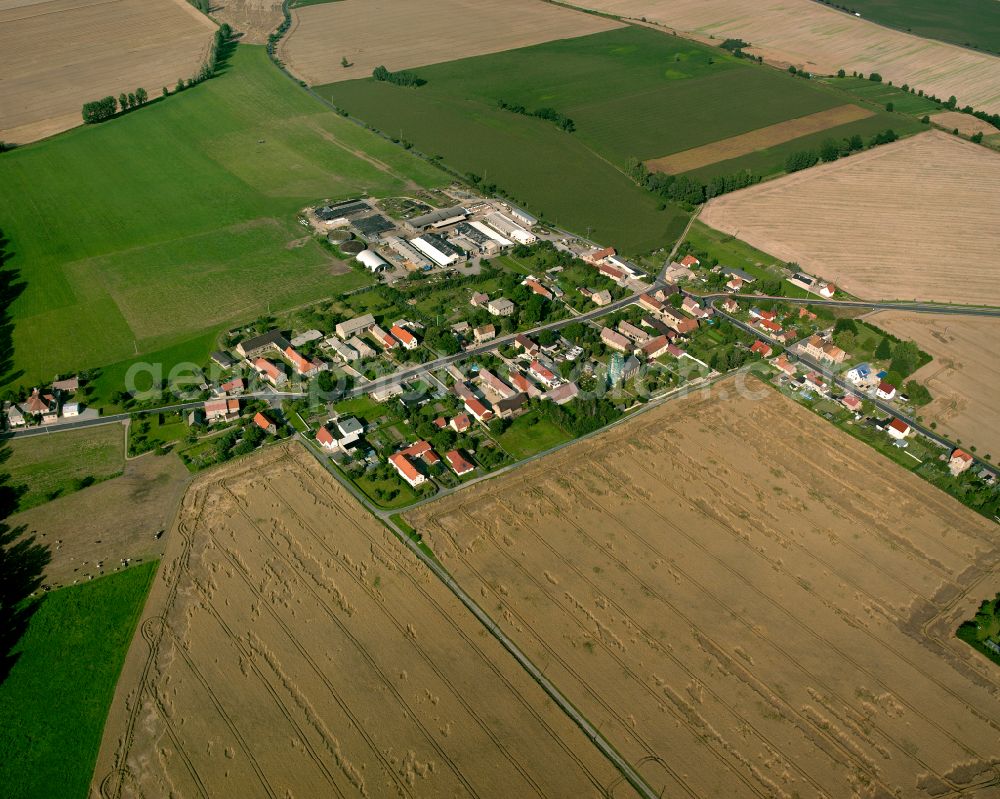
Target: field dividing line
392, 556
365, 588
145, 685
585, 684
783, 610
365, 655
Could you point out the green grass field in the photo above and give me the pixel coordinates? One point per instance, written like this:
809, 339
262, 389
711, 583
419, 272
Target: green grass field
54, 465
630, 92
55, 701
528, 435
974, 23
146, 233
882, 93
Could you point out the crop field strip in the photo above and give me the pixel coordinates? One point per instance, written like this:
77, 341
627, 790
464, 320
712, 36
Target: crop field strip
923, 217
759, 139
399, 34
116, 267
622, 89
56, 55
588, 568
322, 580
807, 34
963, 377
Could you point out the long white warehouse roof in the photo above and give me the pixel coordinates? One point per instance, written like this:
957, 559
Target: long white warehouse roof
488, 231
432, 252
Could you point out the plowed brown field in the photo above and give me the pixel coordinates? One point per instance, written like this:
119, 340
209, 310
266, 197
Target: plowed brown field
402, 34
292, 648
916, 219
55, 55
744, 600
963, 377
807, 34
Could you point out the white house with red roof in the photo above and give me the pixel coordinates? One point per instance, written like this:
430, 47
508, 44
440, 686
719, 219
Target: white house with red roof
689, 261
477, 410
542, 374
302, 365
270, 371
959, 462
761, 348
405, 337
615, 341
885, 390
404, 466
898, 429
326, 439
729, 305
235, 386
460, 423
656, 347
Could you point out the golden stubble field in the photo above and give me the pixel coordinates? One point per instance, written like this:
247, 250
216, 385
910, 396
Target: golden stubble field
916, 219
759, 139
402, 34
963, 377
807, 34
55, 55
291, 647
745, 601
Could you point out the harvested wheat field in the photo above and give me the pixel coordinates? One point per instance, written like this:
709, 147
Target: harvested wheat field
55, 55
759, 139
291, 647
745, 601
966, 124
807, 34
963, 377
402, 34
252, 19
916, 219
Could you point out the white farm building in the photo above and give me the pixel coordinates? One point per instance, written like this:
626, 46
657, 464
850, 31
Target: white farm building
437, 255
372, 260
510, 228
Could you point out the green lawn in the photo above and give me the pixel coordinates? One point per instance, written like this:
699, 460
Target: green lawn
372, 486
529, 434
55, 701
145, 233
973, 23
50, 466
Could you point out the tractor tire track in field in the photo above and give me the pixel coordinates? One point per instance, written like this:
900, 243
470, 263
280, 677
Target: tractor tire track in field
425, 656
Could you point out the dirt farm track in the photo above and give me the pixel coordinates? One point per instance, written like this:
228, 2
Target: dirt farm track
55, 55
291, 647
820, 39
745, 601
916, 219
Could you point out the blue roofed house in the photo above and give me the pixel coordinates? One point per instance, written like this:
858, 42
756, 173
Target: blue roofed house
859, 373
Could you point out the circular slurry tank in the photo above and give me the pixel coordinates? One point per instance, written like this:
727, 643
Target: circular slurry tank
338, 236
352, 247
